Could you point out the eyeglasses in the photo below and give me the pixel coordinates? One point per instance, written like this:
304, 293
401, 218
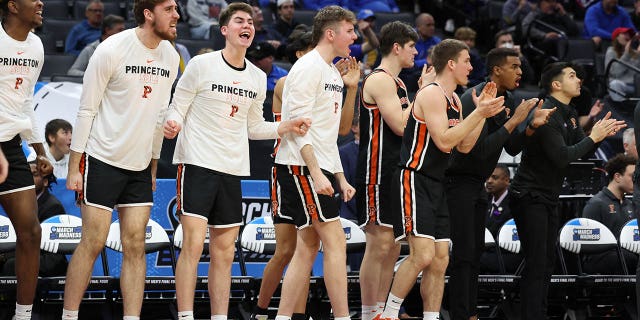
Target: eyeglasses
95, 10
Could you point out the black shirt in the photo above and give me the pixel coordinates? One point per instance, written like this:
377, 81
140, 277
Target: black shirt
484, 156
548, 151
607, 209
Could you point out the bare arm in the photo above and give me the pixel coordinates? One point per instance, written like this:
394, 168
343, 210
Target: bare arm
381, 89
350, 71
320, 182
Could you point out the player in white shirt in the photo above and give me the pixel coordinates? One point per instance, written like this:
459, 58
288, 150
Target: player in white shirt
217, 107
116, 143
305, 165
21, 59
57, 133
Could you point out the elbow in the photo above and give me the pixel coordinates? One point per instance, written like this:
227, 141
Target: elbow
464, 148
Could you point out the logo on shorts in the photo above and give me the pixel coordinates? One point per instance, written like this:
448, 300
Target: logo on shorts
274, 207
312, 209
408, 225
372, 213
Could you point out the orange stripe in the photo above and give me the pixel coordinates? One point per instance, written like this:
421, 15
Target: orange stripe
308, 197
406, 193
274, 193
420, 142
375, 148
178, 188
83, 165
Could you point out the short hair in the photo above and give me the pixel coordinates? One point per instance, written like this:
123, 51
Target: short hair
111, 20
92, 2
498, 56
505, 170
140, 5
465, 33
327, 18
448, 49
500, 34
628, 135
396, 32
52, 127
299, 40
551, 73
225, 15
618, 164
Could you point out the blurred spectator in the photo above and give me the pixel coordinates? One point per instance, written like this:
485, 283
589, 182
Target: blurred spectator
185, 56
479, 72
514, 11
611, 208
111, 25
58, 135
203, 51
202, 14
504, 39
367, 39
51, 264
603, 18
375, 5
349, 158
285, 24
629, 144
261, 55
426, 27
635, 15
319, 4
497, 186
265, 33
86, 31
552, 13
621, 78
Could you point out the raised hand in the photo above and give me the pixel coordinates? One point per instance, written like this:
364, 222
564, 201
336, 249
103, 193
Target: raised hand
349, 71
427, 76
522, 111
541, 116
487, 103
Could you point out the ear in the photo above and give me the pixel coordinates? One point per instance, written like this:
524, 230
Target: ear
496, 70
396, 48
223, 30
148, 15
329, 34
556, 85
11, 5
450, 64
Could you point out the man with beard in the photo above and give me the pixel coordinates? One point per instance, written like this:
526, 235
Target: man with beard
22, 58
467, 199
115, 146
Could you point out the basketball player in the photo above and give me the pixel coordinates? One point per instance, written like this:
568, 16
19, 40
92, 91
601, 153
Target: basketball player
115, 146
21, 59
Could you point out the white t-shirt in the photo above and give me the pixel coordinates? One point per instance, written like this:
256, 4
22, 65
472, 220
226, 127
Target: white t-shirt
60, 167
125, 92
313, 89
219, 108
20, 66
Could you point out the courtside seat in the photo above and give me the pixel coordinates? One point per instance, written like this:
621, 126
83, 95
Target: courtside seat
8, 240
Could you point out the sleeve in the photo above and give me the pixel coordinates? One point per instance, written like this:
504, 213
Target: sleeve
510, 12
592, 25
552, 142
489, 144
186, 91
300, 98
33, 135
96, 78
259, 129
80, 65
71, 42
158, 134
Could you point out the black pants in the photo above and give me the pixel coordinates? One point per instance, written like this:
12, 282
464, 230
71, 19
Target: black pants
538, 224
467, 203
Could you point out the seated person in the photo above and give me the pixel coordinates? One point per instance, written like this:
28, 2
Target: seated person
51, 264
552, 13
87, 31
514, 11
367, 40
621, 78
202, 14
479, 72
375, 5
611, 208
261, 55
57, 133
497, 186
319, 4
602, 18
111, 25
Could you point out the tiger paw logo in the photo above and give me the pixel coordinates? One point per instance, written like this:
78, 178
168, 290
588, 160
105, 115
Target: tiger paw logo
372, 213
274, 207
408, 226
313, 211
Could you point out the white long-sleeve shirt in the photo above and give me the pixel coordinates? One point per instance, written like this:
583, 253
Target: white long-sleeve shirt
125, 92
20, 66
219, 108
313, 89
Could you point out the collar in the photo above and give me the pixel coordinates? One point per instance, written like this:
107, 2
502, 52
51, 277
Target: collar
611, 196
564, 109
499, 201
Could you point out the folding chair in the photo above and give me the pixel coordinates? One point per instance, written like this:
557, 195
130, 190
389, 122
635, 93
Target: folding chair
8, 240
61, 235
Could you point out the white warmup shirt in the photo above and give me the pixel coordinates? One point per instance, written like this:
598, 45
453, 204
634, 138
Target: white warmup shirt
125, 91
20, 66
313, 89
219, 108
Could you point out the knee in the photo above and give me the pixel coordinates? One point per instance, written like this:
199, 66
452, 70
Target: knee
284, 253
222, 256
133, 244
30, 234
421, 260
439, 264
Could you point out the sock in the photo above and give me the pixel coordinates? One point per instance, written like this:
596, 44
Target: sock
280, 317
380, 305
185, 315
23, 311
342, 318
219, 317
69, 314
392, 307
298, 316
369, 312
130, 318
431, 316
